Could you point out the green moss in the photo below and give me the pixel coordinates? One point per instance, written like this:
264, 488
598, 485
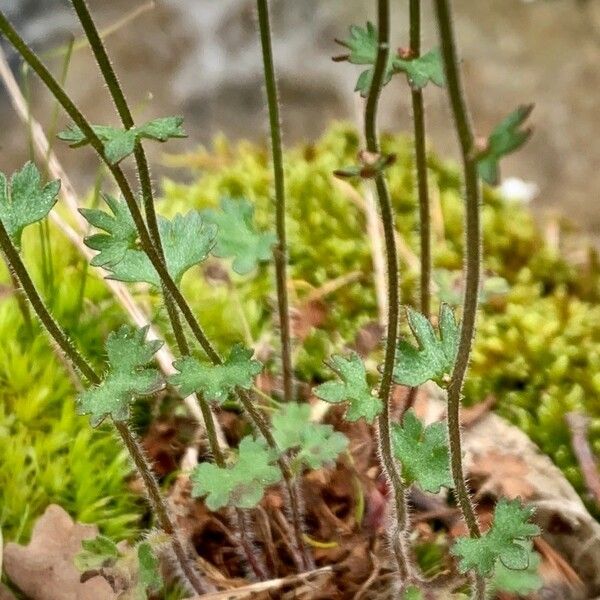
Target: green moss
537, 348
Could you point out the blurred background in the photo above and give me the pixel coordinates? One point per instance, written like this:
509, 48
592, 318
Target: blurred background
201, 58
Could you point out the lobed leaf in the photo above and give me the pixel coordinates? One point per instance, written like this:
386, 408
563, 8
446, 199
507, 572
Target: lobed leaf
241, 485
97, 552
25, 201
506, 137
128, 377
315, 444
423, 453
422, 70
186, 240
237, 237
120, 143
506, 541
434, 357
216, 382
353, 389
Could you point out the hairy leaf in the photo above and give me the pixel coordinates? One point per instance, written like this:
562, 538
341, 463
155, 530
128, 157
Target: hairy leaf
423, 452
522, 582
186, 240
216, 382
422, 70
120, 143
504, 541
25, 201
434, 357
97, 552
507, 137
237, 237
315, 444
353, 389
241, 485
128, 376
149, 577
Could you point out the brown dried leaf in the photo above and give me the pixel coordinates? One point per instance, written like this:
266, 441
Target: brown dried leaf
501, 475
44, 569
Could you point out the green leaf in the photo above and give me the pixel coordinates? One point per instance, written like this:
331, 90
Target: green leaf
507, 137
120, 235
315, 444
420, 71
128, 376
237, 237
149, 574
186, 240
363, 46
521, 583
423, 452
412, 593
97, 552
434, 358
216, 382
504, 541
353, 389
241, 485
26, 201
120, 143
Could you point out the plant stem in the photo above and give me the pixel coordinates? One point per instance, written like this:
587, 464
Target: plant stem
143, 170
473, 244
421, 163
398, 536
145, 239
144, 469
280, 250
304, 561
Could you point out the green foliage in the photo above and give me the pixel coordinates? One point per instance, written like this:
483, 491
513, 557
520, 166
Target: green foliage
97, 552
237, 237
240, 485
506, 541
216, 382
128, 377
120, 143
422, 70
422, 452
186, 242
314, 444
412, 593
362, 45
522, 582
26, 201
136, 569
353, 389
506, 137
434, 358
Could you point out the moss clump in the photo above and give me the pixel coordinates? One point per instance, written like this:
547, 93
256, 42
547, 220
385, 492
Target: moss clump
538, 344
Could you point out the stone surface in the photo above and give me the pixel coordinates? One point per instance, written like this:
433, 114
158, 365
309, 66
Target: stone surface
202, 58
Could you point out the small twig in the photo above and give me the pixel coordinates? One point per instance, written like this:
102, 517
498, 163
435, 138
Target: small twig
578, 425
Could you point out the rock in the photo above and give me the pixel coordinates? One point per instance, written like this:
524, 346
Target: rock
44, 569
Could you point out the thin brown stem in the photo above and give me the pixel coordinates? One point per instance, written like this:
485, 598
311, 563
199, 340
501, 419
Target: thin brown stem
398, 534
280, 250
472, 266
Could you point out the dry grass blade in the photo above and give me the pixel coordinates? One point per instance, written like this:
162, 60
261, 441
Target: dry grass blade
164, 356
309, 578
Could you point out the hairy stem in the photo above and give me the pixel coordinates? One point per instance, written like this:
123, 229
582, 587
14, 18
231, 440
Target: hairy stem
303, 560
280, 250
60, 337
385, 441
143, 170
145, 239
472, 265
421, 163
